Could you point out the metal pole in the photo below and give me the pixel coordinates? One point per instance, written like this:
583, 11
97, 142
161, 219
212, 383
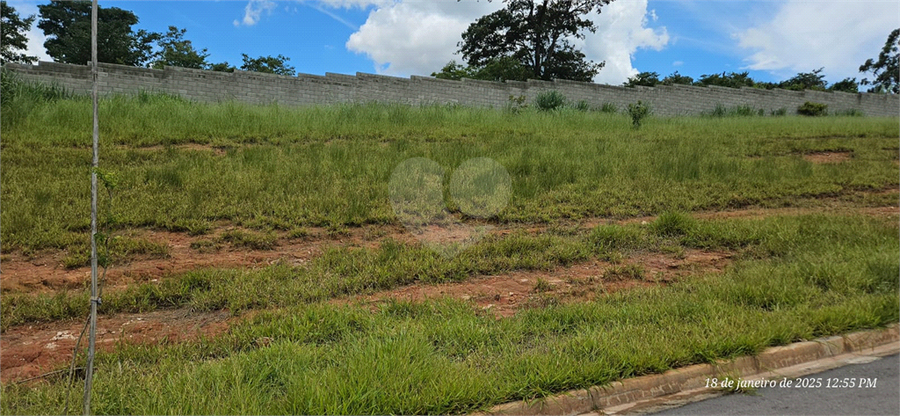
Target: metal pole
92, 339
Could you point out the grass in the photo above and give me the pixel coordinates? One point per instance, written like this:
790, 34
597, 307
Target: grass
829, 276
190, 167
183, 166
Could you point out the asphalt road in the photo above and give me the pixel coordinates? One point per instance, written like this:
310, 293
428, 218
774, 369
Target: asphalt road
875, 391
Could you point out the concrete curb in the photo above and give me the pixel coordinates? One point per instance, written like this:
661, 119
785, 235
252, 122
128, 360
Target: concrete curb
643, 392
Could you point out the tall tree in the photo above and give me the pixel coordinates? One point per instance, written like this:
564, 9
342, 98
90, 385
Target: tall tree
805, 81
535, 33
67, 25
175, 50
645, 79
12, 35
268, 64
887, 68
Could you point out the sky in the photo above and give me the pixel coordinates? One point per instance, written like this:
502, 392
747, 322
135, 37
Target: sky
772, 39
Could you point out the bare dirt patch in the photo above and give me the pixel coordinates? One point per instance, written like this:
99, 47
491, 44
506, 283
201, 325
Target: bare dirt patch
828, 157
504, 294
31, 350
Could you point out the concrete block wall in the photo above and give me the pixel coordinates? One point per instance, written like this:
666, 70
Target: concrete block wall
305, 89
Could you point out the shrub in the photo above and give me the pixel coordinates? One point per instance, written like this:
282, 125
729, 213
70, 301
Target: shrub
551, 100
582, 106
638, 111
812, 109
609, 108
849, 112
779, 112
516, 104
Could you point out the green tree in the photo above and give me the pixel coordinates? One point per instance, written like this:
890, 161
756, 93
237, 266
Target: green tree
12, 35
67, 25
268, 64
646, 79
732, 80
846, 85
221, 67
175, 50
886, 69
455, 71
805, 81
676, 78
536, 34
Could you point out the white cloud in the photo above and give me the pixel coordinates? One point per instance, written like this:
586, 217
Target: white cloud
804, 35
254, 10
416, 37
419, 37
621, 31
36, 38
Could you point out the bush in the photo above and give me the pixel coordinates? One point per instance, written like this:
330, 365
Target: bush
812, 109
852, 112
551, 100
638, 111
609, 108
582, 106
780, 112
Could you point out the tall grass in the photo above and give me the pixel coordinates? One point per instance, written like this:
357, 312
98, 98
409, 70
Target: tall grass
275, 167
443, 356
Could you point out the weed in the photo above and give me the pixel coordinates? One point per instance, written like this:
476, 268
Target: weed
638, 111
631, 271
812, 109
249, 239
550, 100
542, 285
609, 108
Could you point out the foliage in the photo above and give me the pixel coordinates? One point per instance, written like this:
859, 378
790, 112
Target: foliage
646, 79
638, 111
676, 78
845, 85
221, 67
550, 100
805, 81
497, 69
732, 80
177, 51
812, 109
886, 69
535, 34
455, 71
268, 64
12, 35
67, 25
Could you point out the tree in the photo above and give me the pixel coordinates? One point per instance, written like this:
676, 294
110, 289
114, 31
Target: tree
221, 67
12, 35
498, 69
536, 34
846, 85
646, 79
268, 64
732, 80
176, 51
887, 69
805, 81
676, 78
67, 25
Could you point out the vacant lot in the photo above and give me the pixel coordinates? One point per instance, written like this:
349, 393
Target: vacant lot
255, 264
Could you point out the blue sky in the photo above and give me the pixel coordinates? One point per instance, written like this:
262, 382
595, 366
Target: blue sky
772, 39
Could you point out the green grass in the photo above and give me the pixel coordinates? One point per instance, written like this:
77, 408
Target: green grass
826, 276
271, 167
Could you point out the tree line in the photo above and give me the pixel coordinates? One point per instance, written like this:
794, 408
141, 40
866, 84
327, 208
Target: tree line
527, 39
67, 25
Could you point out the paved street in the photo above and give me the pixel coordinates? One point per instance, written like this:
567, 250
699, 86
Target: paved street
875, 391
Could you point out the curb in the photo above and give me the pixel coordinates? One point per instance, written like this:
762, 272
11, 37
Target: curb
637, 395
